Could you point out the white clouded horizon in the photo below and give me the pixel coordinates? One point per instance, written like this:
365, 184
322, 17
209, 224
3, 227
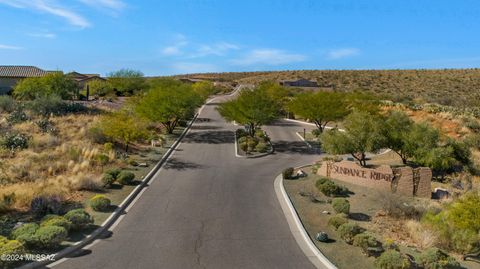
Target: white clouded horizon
341, 53
110, 4
8, 47
268, 57
43, 35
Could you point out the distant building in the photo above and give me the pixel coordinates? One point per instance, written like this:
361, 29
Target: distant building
299, 83
10, 75
82, 79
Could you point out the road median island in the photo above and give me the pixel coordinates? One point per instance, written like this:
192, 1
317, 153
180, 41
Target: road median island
247, 146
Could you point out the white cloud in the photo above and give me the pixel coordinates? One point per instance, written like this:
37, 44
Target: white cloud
43, 35
342, 53
186, 68
269, 57
8, 47
176, 48
49, 7
110, 4
218, 49
171, 51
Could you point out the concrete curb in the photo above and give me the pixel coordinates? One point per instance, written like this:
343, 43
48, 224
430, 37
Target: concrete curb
272, 150
118, 212
303, 139
298, 230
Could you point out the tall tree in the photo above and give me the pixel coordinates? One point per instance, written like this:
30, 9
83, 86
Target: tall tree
123, 126
320, 107
55, 83
127, 81
252, 108
169, 103
363, 133
396, 129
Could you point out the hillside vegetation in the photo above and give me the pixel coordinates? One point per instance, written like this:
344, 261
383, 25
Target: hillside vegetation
456, 87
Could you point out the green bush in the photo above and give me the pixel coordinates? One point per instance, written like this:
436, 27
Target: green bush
26, 234
316, 133
107, 180
244, 146
341, 205
54, 105
55, 220
50, 237
321, 181
46, 126
79, 218
42, 205
288, 173
348, 231
261, 147
114, 172
100, 203
368, 243
242, 140
14, 141
7, 104
108, 146
337, 220
125, 177
434, 258
260, 133
252, 143
241, 133
392, 259
458, 225
96, 135
9, 248
329, 188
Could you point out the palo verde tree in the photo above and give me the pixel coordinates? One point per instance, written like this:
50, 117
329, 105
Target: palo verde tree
127, 81
320, 107
169, 102
252, 108
397, 128
55, 83
204, 88
123, 126
363, 133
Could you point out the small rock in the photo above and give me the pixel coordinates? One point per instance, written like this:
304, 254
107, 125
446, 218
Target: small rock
143, 164
301, 173
326, 212
18, 224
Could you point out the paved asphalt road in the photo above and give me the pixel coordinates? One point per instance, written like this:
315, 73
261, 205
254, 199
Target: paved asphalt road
208, 209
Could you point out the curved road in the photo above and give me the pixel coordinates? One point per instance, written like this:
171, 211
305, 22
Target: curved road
208, 209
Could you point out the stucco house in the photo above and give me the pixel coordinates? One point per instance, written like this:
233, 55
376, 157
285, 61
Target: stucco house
11, 74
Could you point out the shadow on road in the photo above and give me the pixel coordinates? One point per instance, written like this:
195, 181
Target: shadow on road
177, 164
204, 127
210, 137
293, 147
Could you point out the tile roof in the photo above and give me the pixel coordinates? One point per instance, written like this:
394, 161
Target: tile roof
21, 71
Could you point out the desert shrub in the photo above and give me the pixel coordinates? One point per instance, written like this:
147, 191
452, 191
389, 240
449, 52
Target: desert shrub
244, 146
108, 146
400, 208
288, 173
26, 234
320, 181
55, 220
329, 188
341, 205
14, 141
252, 143
241, 133
96, 135
50, 237
100, 203
9, 248
337, 220
7, 104
260, 133
125, 177
17, 116
46, 126
242, 140
261, 147
107, 180
42, 205
88, 182
7, 201
458, 225
101, 159
392, 259
473, 140
79, 218
472, 124
368, 243
316, 132
348, 230
54, 105
434, 258
132, 162
114, 172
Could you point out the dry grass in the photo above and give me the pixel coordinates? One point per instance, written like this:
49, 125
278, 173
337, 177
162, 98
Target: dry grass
60, 164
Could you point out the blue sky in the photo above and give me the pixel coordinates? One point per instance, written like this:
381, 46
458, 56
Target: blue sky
183, 36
